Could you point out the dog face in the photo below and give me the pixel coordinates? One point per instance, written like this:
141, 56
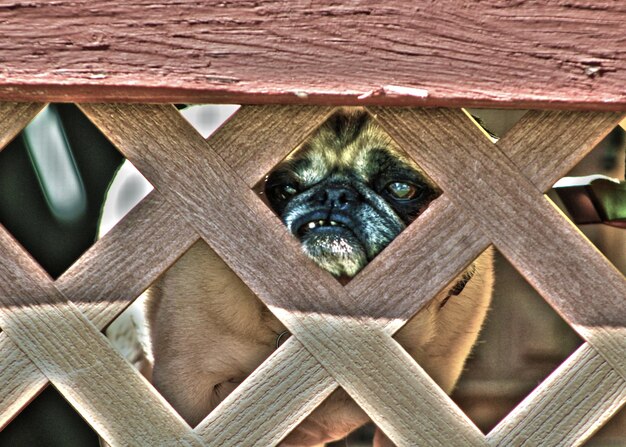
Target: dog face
347, 192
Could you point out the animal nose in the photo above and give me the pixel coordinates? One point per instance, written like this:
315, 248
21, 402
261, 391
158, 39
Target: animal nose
339, 197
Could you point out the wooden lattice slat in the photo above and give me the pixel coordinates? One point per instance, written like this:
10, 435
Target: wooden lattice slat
567, 407
77, 358
21, 380
14, 116
342, 335
548, 250
284, 396
146, 140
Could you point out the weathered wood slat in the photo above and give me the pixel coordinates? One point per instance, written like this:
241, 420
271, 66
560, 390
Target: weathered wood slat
553, 256
14, 117
146, 135
20, 380
429, 253
271, 402
526, 54
122, 276
545, 145
127, 260
243, 143
567, 407
119, 404
568, 137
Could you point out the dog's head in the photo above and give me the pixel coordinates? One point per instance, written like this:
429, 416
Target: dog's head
347, 192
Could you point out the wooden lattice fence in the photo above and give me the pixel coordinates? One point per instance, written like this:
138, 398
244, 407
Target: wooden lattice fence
305, 56
492, 194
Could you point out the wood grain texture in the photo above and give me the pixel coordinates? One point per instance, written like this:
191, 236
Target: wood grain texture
546, 248
523, 54
567, 408
271, 402
110, 275
314, 307
120, 266
248, 144
14, 117
20, 380
545, 145
109, 394
541, 136
434, 249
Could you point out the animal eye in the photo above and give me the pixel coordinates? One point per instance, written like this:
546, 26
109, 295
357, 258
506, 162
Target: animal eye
402, 191
285, 192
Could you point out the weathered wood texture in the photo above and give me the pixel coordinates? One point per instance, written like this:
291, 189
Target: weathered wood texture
519, 54
315, 306
567, 407
341, 335
13, 118
549, 251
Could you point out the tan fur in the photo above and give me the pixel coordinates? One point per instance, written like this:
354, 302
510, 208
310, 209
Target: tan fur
203, 348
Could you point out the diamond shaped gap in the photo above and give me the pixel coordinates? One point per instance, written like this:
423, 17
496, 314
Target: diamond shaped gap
205, 336
207, 118
53, 179
612, 433
351, 425
495, 123
347, 191
51, 421
588, 199
523, 340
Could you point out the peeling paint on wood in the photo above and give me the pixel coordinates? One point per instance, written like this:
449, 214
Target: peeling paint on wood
498, 53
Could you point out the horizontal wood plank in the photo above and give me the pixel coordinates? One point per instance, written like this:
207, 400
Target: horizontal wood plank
493, 54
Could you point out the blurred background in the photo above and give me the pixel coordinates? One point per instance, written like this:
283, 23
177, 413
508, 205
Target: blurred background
54, 178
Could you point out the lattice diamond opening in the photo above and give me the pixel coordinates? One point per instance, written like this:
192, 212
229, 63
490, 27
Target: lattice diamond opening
53, 179
38, 423
346, 192
522, 342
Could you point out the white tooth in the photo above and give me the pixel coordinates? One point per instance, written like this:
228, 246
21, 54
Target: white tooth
333, 223
320, 223
311, 225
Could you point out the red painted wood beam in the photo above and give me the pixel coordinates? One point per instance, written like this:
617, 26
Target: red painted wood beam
492, 53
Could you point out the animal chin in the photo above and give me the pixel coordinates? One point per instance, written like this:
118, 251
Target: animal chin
333, 246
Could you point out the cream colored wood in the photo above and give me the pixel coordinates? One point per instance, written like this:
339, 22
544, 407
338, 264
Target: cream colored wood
566, 409
20, 380
546, 248
121, 265
119, 404
14, 116
143, 133
271, 402
122, 276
